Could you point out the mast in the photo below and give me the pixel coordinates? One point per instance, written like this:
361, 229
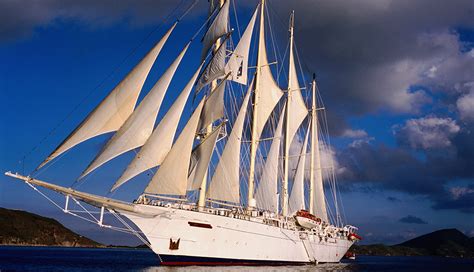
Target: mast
314, 144
213, 85
284, 192
254, 140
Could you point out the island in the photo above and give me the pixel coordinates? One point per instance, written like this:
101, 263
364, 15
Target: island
444, 243
22, 228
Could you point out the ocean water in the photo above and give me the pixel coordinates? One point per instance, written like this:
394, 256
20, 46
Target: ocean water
80, 259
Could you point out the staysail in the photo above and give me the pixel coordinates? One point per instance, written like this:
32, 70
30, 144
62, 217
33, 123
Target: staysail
159, 143
225, 184
114, 110
139, 125
172, 176
200, 159
316, 177
214, 107
296, 201
267, 193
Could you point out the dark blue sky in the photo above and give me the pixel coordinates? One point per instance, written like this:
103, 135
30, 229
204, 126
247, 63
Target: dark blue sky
397, 79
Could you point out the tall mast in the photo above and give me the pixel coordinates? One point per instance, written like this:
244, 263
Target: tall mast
213, 85
284, 193
314, 144
254, 140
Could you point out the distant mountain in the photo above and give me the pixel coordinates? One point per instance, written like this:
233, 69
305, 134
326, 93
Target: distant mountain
446, 242
24, 228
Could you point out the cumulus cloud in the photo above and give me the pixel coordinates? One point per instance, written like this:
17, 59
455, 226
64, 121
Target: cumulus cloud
465, 105
410, 219
427, 132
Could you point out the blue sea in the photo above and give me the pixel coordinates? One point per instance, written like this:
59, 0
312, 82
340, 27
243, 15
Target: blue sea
81, 259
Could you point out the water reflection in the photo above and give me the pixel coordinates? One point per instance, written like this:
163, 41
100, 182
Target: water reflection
303, 268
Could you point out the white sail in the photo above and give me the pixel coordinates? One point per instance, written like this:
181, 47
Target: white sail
215, 69
319, 199
139, 126
225, 182
267, 194
200, 159
214, 106
159, 143
217, 29
238, 61
268, 91
296, 104
114, 110
296, 201
172, 176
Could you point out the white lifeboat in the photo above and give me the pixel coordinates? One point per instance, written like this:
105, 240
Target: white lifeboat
307, 220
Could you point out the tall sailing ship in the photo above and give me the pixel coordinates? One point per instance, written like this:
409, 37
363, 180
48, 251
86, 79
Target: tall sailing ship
217, 197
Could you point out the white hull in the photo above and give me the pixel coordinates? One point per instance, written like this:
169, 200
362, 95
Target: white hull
216, 239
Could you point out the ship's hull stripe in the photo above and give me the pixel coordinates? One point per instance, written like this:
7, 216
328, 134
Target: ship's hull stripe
176, 260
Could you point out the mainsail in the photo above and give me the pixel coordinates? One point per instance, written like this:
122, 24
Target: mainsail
114, 110
139, 125
159, 143
172, 176
225, 184
296, 201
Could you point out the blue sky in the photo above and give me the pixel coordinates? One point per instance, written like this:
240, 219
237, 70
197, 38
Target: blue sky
397, 79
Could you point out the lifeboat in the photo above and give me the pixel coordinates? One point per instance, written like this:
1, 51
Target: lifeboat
307, 220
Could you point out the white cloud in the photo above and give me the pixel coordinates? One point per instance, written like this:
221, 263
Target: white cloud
358, 142
458, 192
427, 132
432, 72
465, 105
357, 133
